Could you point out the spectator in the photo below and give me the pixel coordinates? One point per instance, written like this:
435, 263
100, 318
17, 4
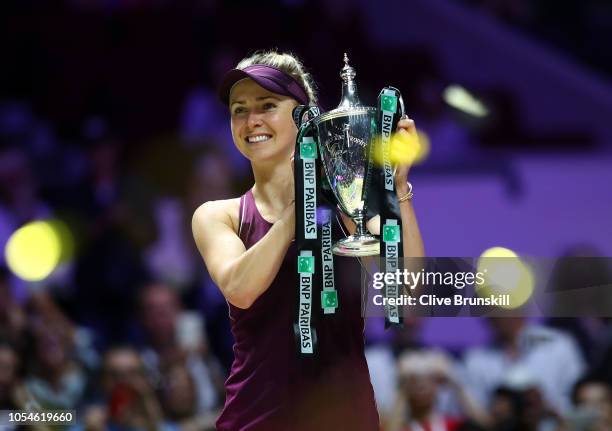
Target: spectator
128, 399
13, 395
179, 399
170, 258
170, 336
421, 376
505, 407
526, 349
55, 378
382, 349
521, 408
592, 399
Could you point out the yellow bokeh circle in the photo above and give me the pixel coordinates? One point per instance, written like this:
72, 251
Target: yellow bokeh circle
33, 251
505, 273
404, 148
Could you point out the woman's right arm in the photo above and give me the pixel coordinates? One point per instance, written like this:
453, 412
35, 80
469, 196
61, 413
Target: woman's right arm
241, 275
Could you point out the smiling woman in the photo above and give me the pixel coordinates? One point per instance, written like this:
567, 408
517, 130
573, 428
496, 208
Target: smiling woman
247, 246
259, 122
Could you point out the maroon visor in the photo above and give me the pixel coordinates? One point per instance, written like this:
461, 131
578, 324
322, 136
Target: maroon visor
270, 78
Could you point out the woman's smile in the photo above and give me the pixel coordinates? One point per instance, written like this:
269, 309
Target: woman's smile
258, 138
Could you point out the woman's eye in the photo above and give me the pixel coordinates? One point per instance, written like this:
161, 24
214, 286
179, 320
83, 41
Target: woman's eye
268, 106
238, 111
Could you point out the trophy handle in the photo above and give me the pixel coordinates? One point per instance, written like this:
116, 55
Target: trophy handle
297, 115
303, 113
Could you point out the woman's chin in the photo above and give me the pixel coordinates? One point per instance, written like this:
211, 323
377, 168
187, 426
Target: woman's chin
267, 157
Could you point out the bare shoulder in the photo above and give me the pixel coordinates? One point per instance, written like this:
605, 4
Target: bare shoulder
214, 227
222, 211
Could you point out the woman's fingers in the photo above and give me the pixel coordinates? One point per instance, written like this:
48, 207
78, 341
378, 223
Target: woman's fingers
406, 124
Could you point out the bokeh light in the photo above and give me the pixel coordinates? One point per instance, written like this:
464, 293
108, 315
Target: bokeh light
498, 252
505, 273
34, 250
461, 99
66, 239
404, 148
424, 147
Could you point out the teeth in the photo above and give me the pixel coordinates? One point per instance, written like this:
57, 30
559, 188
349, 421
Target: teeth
258, 138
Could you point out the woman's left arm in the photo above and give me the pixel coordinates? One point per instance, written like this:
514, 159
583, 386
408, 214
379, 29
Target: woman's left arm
411, 235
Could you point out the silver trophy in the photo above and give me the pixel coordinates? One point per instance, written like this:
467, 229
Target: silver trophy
345, 136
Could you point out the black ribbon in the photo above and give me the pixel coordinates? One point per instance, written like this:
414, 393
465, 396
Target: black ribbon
390, 109
307, 231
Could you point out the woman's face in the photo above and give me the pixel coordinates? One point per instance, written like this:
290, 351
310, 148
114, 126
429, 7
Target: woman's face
262, 123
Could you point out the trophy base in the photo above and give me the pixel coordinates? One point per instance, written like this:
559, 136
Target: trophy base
357, 245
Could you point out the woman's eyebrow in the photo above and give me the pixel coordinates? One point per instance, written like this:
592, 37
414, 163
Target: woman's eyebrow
260, 98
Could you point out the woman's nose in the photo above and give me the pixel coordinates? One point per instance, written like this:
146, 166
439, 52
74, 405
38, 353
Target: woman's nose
254, 119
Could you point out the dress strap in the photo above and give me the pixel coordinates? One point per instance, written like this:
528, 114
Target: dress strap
241, 214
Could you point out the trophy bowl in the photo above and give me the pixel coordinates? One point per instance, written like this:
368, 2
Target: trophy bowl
345, 136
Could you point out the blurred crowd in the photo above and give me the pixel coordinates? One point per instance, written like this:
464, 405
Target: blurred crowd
531, 375
128, 330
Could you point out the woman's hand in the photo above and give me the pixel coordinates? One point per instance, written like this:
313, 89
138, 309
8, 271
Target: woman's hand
403, 151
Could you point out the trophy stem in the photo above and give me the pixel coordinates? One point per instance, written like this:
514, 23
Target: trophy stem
358, 217
361, 243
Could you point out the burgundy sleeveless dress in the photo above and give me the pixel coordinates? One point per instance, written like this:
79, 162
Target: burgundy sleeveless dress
270, 387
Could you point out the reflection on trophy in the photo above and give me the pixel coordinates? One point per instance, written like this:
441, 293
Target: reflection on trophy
345, 137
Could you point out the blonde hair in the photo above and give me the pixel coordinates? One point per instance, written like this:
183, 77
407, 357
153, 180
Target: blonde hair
288, 63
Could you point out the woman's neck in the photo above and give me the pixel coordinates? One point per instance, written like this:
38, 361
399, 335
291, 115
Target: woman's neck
273, 187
